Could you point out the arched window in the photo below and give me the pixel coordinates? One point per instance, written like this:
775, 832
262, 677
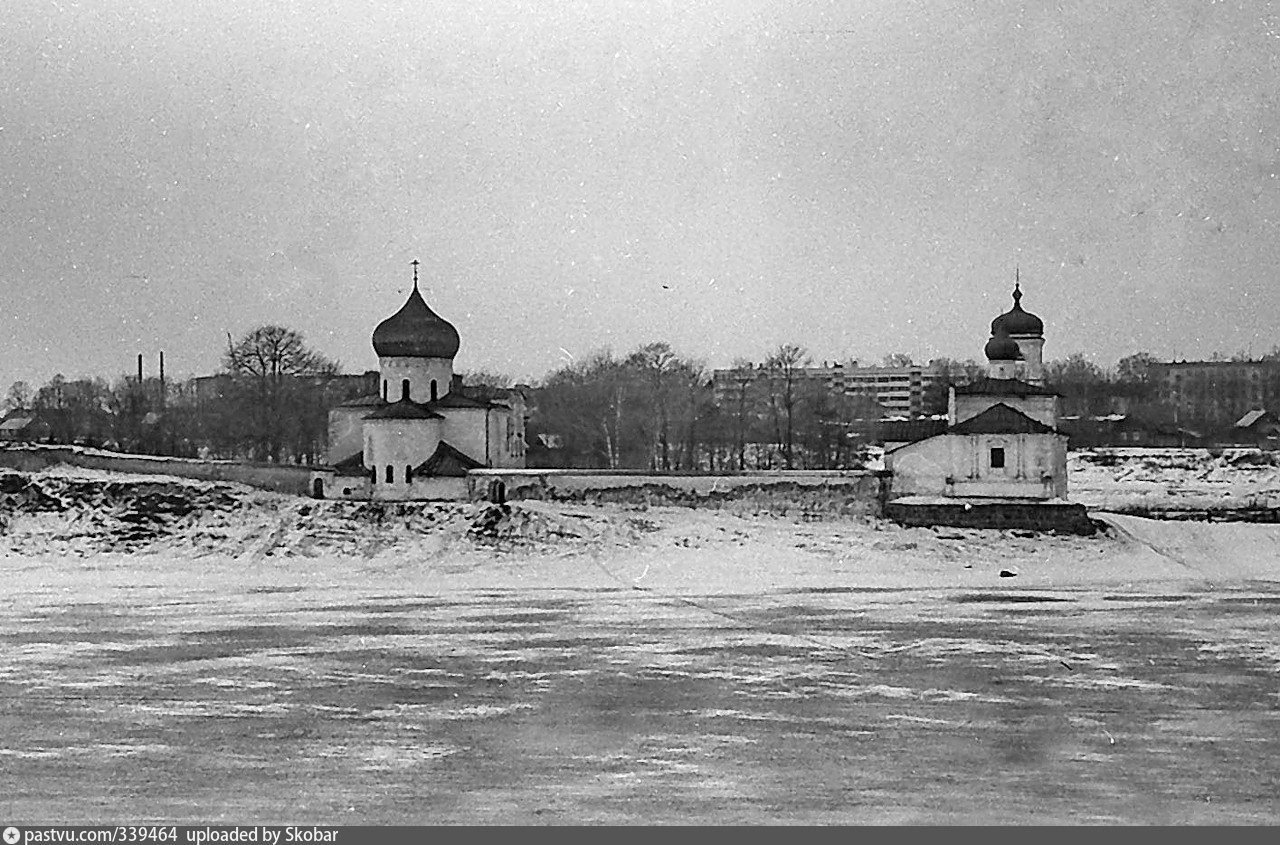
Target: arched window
373, 476
408, 474
384, 390
434, 395
404, 389
391, 474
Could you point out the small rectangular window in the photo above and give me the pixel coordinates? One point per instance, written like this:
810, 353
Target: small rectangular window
997, 457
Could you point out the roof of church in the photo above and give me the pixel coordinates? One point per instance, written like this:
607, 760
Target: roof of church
405, 409
1001, 419
353, 466
415, 331
1003, 387
372, 400
448, 462
458, 399
1015, 320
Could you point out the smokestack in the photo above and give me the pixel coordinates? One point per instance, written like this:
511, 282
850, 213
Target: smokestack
139, 368
162, 396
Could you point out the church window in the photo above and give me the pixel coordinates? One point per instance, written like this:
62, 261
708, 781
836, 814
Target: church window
384, 390
434, 395
404, 389
997, 457
408, 474
391, 473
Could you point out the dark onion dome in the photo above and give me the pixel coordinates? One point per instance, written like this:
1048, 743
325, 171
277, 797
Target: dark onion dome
1015, 320
1001, 347
415, 331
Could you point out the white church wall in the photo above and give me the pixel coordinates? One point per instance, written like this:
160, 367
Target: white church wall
464, 430
398, 444
420, 372
961, 465
921, 468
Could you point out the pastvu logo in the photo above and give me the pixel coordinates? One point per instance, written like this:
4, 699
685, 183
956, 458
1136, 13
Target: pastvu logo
11, 836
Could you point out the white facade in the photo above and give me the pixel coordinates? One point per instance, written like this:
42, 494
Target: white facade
416, 379
1005, 466
422, 432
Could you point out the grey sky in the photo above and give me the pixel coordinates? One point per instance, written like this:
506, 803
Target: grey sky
858, 177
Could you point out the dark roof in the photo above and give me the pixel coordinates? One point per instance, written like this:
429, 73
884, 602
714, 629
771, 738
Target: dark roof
364, 402
909, 431
415, 331
1003, 387
1001, 419
448, 462
405, 409
352, 466
458, 399
1015, 320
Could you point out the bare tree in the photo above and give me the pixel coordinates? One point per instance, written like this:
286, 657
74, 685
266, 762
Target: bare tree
783, 366
274, 373
19, 397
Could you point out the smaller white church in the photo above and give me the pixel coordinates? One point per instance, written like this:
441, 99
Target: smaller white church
1002, 440
417, 438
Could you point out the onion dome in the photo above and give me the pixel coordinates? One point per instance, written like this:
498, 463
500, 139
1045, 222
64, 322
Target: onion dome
415, 331
1015, 320
1001, 347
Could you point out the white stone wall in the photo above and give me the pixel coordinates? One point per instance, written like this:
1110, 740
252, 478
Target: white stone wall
420, 372
398, 443
1035, 466
464, 431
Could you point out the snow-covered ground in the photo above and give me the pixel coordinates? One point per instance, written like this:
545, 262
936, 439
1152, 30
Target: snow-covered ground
1170, 480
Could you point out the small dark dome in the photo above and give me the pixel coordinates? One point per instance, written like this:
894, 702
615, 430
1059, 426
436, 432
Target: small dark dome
1015, 320
1001, 347
415, 331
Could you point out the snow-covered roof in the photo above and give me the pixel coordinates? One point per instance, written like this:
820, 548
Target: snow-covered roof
1250, 418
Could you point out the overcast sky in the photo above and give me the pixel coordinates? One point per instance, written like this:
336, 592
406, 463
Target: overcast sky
855, 176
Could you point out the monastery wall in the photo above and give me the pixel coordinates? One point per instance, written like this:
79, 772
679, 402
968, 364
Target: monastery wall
826, 493
279, 478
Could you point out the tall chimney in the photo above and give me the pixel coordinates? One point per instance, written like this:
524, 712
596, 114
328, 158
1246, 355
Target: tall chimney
139, 369
162, 396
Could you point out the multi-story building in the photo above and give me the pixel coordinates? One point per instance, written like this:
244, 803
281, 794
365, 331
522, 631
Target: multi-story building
900, 390
1214, 394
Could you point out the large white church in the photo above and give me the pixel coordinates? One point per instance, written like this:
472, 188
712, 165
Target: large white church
424, 430
1002, 440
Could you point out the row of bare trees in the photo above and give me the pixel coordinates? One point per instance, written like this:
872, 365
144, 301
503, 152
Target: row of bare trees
656, 410
269, 403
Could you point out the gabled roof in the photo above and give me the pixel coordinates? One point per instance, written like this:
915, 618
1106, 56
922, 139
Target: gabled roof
16, 423
448, 462
1003, 387
1001, 419
405, 409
